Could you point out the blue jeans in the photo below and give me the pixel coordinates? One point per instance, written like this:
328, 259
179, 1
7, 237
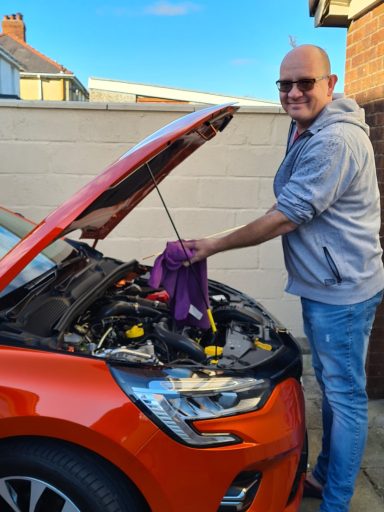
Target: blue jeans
338, 336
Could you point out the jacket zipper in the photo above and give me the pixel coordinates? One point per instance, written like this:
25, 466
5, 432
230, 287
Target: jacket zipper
332, 265
308, 135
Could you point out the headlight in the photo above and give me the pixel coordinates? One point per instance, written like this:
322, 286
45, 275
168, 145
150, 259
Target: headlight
174, 398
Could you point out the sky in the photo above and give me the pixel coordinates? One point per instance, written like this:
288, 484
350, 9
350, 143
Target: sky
218, 46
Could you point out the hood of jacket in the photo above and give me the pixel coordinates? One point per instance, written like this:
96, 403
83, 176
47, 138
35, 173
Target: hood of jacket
344, 110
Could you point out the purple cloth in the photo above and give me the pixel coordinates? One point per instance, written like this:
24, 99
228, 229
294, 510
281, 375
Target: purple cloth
187, 286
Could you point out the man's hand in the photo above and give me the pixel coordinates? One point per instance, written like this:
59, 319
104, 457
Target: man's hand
203, 248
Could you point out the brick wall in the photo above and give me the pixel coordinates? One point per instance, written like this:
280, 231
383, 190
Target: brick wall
13, 25
364, 80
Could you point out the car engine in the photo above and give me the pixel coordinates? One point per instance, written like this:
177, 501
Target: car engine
107, 309
133, 322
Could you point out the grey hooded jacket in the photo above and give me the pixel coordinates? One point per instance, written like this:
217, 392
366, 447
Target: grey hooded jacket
327, 185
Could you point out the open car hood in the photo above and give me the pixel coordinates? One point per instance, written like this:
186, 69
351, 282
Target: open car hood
101, 204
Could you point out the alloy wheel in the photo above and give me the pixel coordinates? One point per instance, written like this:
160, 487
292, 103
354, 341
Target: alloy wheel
27, 494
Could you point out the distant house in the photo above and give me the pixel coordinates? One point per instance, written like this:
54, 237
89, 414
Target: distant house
119, 91
41, 78
9, 76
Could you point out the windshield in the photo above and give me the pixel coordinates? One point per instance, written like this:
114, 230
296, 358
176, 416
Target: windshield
12, 229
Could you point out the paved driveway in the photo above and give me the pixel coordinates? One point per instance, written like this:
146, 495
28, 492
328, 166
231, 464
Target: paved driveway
369, 493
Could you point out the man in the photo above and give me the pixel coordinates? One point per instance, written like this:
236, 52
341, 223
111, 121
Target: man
327, 211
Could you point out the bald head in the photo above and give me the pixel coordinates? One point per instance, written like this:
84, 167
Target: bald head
303, 64
308, 52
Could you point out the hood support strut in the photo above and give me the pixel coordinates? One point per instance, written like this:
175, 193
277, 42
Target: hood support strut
209, 312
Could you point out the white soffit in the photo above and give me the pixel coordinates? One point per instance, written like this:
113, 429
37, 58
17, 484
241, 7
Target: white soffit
358, 8
332, 13
339, 13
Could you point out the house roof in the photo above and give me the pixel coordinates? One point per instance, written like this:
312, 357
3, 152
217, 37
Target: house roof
165, 93
5, 55
31, 60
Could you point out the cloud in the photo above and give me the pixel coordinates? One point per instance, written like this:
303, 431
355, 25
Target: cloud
105, 11
164, 8
242, 61
160, 8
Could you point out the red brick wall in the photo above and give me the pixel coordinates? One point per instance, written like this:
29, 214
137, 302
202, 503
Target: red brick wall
13, 25
364, 81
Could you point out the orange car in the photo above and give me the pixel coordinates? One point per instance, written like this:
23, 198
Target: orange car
110, 404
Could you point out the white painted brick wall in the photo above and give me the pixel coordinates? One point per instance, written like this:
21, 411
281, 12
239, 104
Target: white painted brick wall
49, 150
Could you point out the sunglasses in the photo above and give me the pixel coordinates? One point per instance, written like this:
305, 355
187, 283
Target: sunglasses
304, 84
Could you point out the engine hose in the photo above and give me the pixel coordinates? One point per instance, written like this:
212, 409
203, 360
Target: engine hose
154, 304
127, 308
180, 343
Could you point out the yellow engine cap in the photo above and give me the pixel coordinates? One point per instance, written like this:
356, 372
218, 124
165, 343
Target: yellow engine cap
263, 346
213, 350
135, 331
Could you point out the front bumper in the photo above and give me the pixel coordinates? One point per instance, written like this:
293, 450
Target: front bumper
175, 477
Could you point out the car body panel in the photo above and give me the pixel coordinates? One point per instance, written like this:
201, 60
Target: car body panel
112, 427
274, 451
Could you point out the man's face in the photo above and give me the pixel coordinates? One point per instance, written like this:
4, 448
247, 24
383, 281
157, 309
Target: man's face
304, 107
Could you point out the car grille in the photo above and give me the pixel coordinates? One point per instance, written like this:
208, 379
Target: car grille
241, 492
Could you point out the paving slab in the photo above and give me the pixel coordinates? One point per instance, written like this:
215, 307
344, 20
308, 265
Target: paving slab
365, 499
376, 478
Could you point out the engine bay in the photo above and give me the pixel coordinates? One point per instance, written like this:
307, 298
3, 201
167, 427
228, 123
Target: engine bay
106, 309
133, 322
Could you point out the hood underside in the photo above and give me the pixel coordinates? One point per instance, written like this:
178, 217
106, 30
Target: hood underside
101, 204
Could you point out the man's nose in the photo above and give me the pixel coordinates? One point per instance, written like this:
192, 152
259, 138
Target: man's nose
295, 92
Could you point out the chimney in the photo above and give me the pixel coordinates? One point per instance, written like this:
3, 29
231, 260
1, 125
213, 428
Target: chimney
13, 25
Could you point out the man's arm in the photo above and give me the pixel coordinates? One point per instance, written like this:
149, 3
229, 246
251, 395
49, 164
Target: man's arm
270, 225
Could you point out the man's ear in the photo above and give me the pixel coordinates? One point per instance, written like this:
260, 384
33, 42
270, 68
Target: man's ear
332, 80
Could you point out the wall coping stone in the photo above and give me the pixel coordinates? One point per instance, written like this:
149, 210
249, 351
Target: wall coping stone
85, 105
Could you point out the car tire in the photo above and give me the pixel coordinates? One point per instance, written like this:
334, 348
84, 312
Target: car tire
47, 476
